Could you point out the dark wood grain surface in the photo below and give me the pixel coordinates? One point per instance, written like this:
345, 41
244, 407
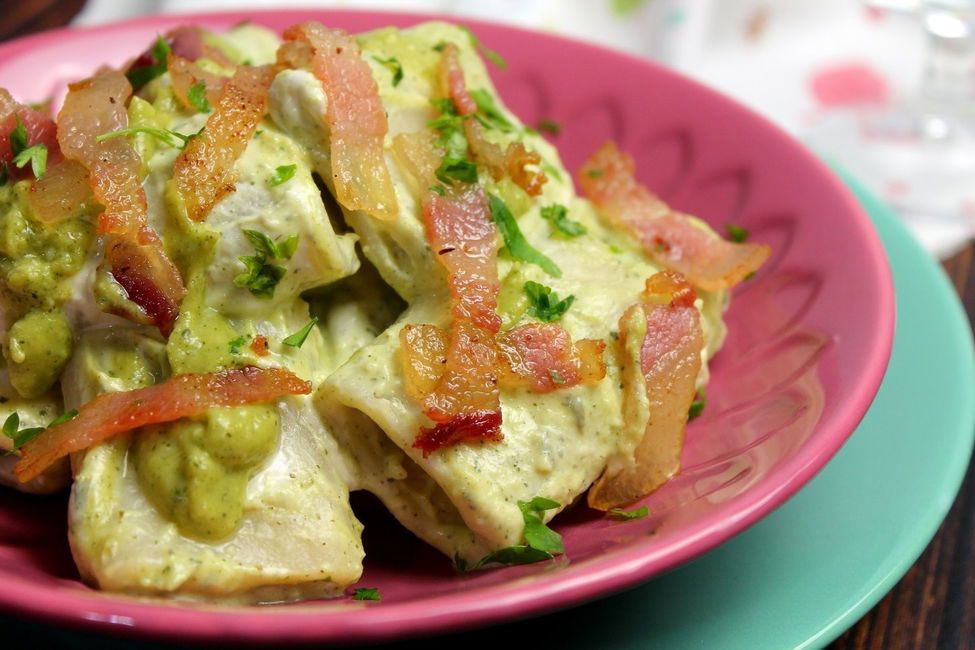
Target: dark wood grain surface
933, 606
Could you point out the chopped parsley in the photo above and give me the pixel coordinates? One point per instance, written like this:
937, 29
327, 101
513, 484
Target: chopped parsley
558, 216
491, 55
261, 277
736, 234
20, 437
594, 173
297, 339
366, 593
627, 515
545, 304
236, 344
438, 189
488, 111
143, 74
541, 542
556, 376
697, 406
282, 174
549, 126
23, 154
197, 94
518, 247
394, 66
171, 138
455, 165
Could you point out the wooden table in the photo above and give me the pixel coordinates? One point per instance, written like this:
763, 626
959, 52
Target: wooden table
933, 606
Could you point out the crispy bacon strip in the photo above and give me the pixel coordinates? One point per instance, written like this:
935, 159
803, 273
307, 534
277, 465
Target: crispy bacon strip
665, 368
543, 358
204, 171
178, 397
459, 228
667, 236
58, 194
134, 253
354, 114
40, 129
515, 161
452, 80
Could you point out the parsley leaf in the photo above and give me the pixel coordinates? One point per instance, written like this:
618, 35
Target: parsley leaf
541, 542
627, 515
518, 247
36, 155
197, 94
736, 234
297, 339
549, 126
491, 55
143, 74
394, 66
366, 593
557, 215
545, 303
171, 138
282, 174
488, 110
20, 437
449, 126
697, 406
260, 277
237, 343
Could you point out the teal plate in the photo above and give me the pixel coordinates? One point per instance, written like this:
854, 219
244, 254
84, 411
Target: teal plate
815, 566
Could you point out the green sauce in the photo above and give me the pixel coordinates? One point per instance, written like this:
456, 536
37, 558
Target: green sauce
195, 471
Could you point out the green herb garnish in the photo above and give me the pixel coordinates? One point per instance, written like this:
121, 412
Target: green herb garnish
518, 247
594, 173
697, 406
394, 66
626, 515
142, 75
171, 138
282, 174
236, 344
556, 376
298, 338
491, 55
366, 593
20, 437
736, 234
455, 165
541, 542
549, 126
488, 111
197, 94
23, 154
557, 215
261, 277
545, 304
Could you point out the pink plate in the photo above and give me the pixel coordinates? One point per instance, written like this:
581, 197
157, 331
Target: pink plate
809, 343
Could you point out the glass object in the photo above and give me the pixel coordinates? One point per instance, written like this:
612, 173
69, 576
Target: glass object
918, 152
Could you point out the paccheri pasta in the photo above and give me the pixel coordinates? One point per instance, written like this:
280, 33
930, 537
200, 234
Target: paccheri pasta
246, 275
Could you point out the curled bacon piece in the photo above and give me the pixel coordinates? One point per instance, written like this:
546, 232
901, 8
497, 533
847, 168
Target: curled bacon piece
40, 129
664, 366
667, 236
515, 161
354, 114
135, 255
178, 397
543, 358
204, 172
58, 194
